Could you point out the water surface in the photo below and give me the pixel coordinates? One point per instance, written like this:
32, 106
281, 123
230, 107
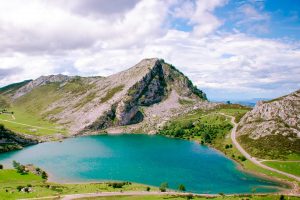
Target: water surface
142, 159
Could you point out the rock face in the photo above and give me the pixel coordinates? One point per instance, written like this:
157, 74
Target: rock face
273, 126
145, 95
11, 141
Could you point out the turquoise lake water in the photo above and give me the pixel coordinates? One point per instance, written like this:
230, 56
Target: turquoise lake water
142, 159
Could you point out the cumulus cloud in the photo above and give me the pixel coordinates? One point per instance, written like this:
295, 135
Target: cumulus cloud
97, 38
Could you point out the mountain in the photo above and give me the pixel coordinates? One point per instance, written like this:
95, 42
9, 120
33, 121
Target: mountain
272, 129
139, 99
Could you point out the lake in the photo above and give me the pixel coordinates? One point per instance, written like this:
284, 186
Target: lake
146, 159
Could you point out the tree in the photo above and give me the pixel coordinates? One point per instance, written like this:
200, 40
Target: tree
228, 102
163, 187
1, 166
281, 197
181, 188
148, 189
44, 175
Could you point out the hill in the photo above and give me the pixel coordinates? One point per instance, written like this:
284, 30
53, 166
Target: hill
139, 99
272, 129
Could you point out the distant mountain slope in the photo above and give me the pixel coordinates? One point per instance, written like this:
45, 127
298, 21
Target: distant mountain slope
272, 128
137, 100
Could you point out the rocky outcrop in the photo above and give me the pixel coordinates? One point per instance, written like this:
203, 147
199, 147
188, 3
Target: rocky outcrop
128, 99
273, 126
149, 90
12, 141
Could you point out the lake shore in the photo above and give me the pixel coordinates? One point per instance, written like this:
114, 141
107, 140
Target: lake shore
283, 190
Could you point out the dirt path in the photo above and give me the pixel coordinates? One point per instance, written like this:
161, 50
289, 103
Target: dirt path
106, 194
249, 157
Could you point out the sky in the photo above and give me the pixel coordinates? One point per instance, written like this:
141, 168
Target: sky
231, 49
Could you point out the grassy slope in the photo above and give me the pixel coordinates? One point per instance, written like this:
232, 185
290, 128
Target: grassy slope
30, 109
224, 139
10, 180
289, 167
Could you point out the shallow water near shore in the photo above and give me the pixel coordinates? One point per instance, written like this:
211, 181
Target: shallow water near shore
146, 159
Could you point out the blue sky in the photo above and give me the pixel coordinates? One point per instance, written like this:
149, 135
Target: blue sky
232, 49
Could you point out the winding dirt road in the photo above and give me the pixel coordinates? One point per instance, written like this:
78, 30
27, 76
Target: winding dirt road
249, 157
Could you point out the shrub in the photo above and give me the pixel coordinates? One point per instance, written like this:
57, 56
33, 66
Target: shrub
19, 188
118, 184
1, 166
281, 197
242, 158
148, 189
181, 187
163, 187
44, 175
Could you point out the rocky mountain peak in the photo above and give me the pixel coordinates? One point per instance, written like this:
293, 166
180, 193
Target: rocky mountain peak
129, 98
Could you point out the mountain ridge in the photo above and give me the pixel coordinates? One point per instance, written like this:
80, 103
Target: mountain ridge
122, 101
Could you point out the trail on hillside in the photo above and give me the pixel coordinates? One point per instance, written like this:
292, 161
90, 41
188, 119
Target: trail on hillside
249, 157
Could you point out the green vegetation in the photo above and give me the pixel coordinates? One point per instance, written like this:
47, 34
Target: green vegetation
118, 184
264, 147
181, 188
205, 128
4, 104
184, 197
111, 93
289, 167
185, 102
13, 87
75, 86
235, 110
24, 122
13, 186
20, 168
163, 187
85, 100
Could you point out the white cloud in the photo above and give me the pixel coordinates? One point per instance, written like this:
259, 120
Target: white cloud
49, 38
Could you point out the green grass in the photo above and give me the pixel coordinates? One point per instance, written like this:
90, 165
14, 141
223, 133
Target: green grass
185, 102
271, 147
176, 197
85, 100
235, 110
10, 180
13, 87
289, 167
23, 117
111, 93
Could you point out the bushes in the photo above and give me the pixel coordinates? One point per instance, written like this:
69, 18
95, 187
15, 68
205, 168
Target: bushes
181, 188
44, 175
207, 128
118, 184
242, 158
163, 187
20, 168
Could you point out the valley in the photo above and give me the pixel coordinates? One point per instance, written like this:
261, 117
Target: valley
158, 100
